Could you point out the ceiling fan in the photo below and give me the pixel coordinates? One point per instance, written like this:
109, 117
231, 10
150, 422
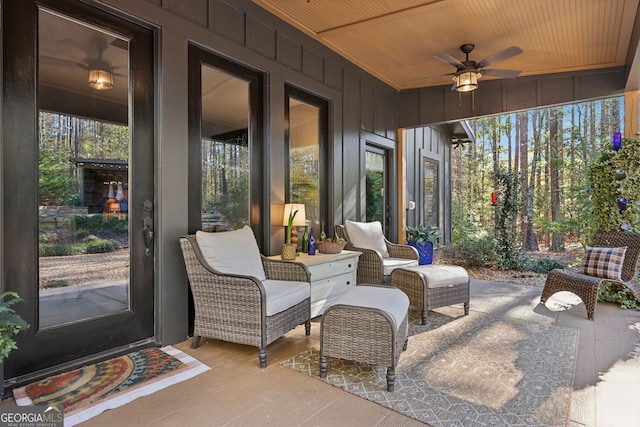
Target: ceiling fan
100, 70
465, 78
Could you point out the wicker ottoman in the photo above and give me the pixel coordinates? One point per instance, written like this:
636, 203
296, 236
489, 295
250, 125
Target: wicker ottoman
432, 286
367, 324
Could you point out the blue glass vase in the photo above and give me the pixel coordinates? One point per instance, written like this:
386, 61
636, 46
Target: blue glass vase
425, 251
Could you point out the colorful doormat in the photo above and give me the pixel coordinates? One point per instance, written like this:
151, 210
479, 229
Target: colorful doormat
91, 390
475, 370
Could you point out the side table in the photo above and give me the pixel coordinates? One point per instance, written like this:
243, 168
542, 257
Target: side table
331, 276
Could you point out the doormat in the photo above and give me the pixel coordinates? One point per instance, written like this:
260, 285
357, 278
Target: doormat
475, 370
91, 390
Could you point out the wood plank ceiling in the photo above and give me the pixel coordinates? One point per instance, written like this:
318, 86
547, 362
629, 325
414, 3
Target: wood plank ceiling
396, 40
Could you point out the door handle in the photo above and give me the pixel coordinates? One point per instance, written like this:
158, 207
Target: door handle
147, 224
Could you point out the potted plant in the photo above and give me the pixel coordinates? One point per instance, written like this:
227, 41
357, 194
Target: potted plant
423, 239
10, 324
288, 248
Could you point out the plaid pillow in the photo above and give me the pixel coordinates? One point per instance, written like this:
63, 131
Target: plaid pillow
604, 262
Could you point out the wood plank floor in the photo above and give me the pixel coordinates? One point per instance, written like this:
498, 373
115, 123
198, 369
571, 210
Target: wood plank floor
236, 392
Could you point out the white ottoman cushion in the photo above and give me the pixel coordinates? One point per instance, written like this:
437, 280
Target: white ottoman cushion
390, 300
439, 275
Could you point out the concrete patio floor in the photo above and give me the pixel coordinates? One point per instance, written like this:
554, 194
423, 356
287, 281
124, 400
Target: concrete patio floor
236, 392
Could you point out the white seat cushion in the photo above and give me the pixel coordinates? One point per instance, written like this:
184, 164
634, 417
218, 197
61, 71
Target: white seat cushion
282, 294
390, 300
367, 235
232, 252
439, 275
390, 264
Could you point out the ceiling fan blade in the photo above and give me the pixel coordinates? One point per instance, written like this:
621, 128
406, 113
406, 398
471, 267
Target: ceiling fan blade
59, 62
433, 76
507, 74
499, 56
444, 57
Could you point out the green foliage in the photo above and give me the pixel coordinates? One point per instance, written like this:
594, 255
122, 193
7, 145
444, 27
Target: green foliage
58, 283
92, 223
10, 323
100, 246
53, 249
374, 186
607, 187
540, 264
421, 234
292, 215
473, 251
461, 225
509, 204
57, 185
619, 294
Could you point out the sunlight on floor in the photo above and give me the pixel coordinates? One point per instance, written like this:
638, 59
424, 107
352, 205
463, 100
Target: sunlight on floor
562, 301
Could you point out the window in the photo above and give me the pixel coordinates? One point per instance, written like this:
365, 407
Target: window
226, 165
430, 193
225, 151
306, 142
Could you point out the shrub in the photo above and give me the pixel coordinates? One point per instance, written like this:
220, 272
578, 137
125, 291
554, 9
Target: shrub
541, 264
619, 294
473, 251
99, 246
49, 249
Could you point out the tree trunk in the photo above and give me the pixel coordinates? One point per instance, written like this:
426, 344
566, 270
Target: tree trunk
531, 241
555, 164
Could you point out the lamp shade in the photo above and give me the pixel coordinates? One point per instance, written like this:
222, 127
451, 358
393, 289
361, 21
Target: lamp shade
100, 79
466, 82
300, 218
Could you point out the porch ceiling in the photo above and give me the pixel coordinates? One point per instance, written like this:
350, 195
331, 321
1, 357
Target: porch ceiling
396, 40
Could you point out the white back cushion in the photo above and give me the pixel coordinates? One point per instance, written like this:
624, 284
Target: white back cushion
367, 235
232, 252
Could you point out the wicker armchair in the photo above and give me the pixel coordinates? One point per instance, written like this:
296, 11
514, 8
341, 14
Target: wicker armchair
373, 267
237, 307
585, 286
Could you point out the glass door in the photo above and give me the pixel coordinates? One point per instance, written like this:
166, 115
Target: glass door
78, 184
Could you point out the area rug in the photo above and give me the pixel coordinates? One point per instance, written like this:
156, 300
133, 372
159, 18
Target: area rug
474, 370
91, 390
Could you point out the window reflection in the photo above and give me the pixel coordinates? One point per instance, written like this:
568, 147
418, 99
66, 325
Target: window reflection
225, 151
304, 159
430, 193
83, 175
375, 162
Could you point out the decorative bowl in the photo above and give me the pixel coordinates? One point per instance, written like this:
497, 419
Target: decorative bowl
329, 247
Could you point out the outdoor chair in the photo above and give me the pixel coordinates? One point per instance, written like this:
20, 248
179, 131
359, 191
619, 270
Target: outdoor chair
240, 295
379, 256
613, 264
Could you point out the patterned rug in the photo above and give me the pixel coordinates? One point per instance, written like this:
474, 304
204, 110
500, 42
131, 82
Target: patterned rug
91, 390
474, 370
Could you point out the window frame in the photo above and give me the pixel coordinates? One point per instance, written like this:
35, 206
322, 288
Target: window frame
323, 150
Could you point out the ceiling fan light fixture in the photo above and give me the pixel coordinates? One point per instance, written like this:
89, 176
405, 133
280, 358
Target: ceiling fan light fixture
466, 82
100, 79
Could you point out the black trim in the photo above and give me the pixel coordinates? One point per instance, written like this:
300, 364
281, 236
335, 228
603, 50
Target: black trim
323, 149
259, 184
42, 349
